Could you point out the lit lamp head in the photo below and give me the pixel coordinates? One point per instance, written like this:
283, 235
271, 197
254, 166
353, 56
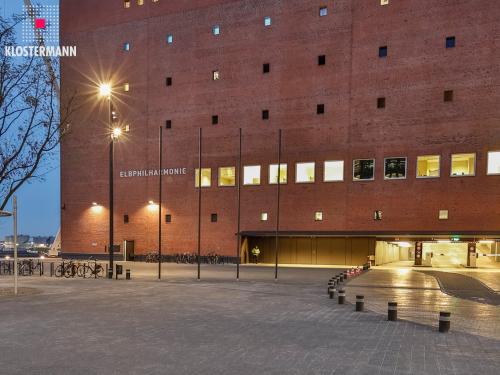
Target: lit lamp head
116, 133
105, 90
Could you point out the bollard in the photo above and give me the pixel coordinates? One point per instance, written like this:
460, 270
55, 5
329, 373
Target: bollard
444, 321
51, 269
360, 303
345, 275
341, 278
331, 292
392, 311
341, 296
127, 274
109, 271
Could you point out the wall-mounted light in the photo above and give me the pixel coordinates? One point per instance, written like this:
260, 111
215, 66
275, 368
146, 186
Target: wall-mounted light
486, 241
403, 244
152, 206
96, 207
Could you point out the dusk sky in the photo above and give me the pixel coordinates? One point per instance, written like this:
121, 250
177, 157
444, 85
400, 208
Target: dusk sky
38, 202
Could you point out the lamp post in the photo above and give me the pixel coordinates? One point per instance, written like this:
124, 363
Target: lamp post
106, 92
14, 215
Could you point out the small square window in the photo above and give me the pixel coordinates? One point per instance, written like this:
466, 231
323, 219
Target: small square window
321, 60
168, 81
168, 218
267, 21
443, 215
206, 177
363, 169
126, 87
215, 119
251, 175
448, 96
377, 215
493, 163
170, 38
318, 216
265, 114
380, 103
463, 165
333, 170
266, 68
264, 216
140, 2
305, 172
216, 29
450, 42
382, 51
125, 219
126, 3
126, 46
394, 168
168, 124
227, 176
273, 173
323, 11
320, 109
384, 2
213, 218
215, 75
428, 166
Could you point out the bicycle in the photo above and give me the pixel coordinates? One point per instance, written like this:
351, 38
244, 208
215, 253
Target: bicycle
86, 270
67, 270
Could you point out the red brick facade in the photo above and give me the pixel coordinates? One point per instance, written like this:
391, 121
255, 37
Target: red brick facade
415, 121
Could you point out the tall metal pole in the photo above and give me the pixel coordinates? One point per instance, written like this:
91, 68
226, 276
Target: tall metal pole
160, 153
276, 235
14, 204
199, 202
238, 239
111, 198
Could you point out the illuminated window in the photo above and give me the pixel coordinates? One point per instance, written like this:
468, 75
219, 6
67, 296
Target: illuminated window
382, 51
126, 46
463, 165
140, 2
394, 168
273, 174
321, 60
251, 175
363, 169
264, 216
494, 162
206, 177
227, 176
126, 87
377, 215
266, 68
215, 75
170, 38
380, 103
304, 172
384, 2
318, 216
428, 166
155, 1
216, 29
450, 42
267, 21
443, 215
448, 96
323, 11
333, 171
126, 3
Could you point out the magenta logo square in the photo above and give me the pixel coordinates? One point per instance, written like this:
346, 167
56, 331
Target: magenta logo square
40, 23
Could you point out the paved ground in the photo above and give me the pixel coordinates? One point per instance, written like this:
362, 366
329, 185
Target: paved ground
220, 326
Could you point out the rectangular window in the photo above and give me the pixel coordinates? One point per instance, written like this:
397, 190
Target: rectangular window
384, 2
126, 87
380, 103
443, 215
206, 177
168, 218
377, 215
267, 21
264, 216
318, 216
168, 124
227, 176
493, 162
363, 169
304, 172
394, 168
215, 75
266, 68
273, 174
323, 11
321, 59
333, 171
320, 109
251, 175
448, 96
216, 30
213, 218
463, 165
168, 81
428, 166
450, 42
170, 39
265, 114
382, 51
215, 119
125, 219
126, 46
140, 2
126, 3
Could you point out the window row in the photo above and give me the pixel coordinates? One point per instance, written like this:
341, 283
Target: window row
428, 166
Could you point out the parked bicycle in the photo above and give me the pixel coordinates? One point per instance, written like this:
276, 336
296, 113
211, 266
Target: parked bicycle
90, 269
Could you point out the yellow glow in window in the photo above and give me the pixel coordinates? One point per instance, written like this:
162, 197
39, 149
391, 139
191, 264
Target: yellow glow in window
206, 177
428, 166
463, 164
273, 174
227, 176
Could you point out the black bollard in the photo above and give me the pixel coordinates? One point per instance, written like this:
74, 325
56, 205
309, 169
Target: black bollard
392, 311
127, 274
360, 303
341, 296
331, 292
444, 321
341, 278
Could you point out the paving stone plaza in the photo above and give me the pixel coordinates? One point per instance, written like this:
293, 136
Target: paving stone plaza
253, 326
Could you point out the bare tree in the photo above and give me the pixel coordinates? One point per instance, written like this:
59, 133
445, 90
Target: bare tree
32, 119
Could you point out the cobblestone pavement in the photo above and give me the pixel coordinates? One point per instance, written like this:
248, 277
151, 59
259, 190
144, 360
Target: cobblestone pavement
220, 326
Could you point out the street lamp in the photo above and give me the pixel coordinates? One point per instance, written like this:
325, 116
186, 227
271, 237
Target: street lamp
14, 215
